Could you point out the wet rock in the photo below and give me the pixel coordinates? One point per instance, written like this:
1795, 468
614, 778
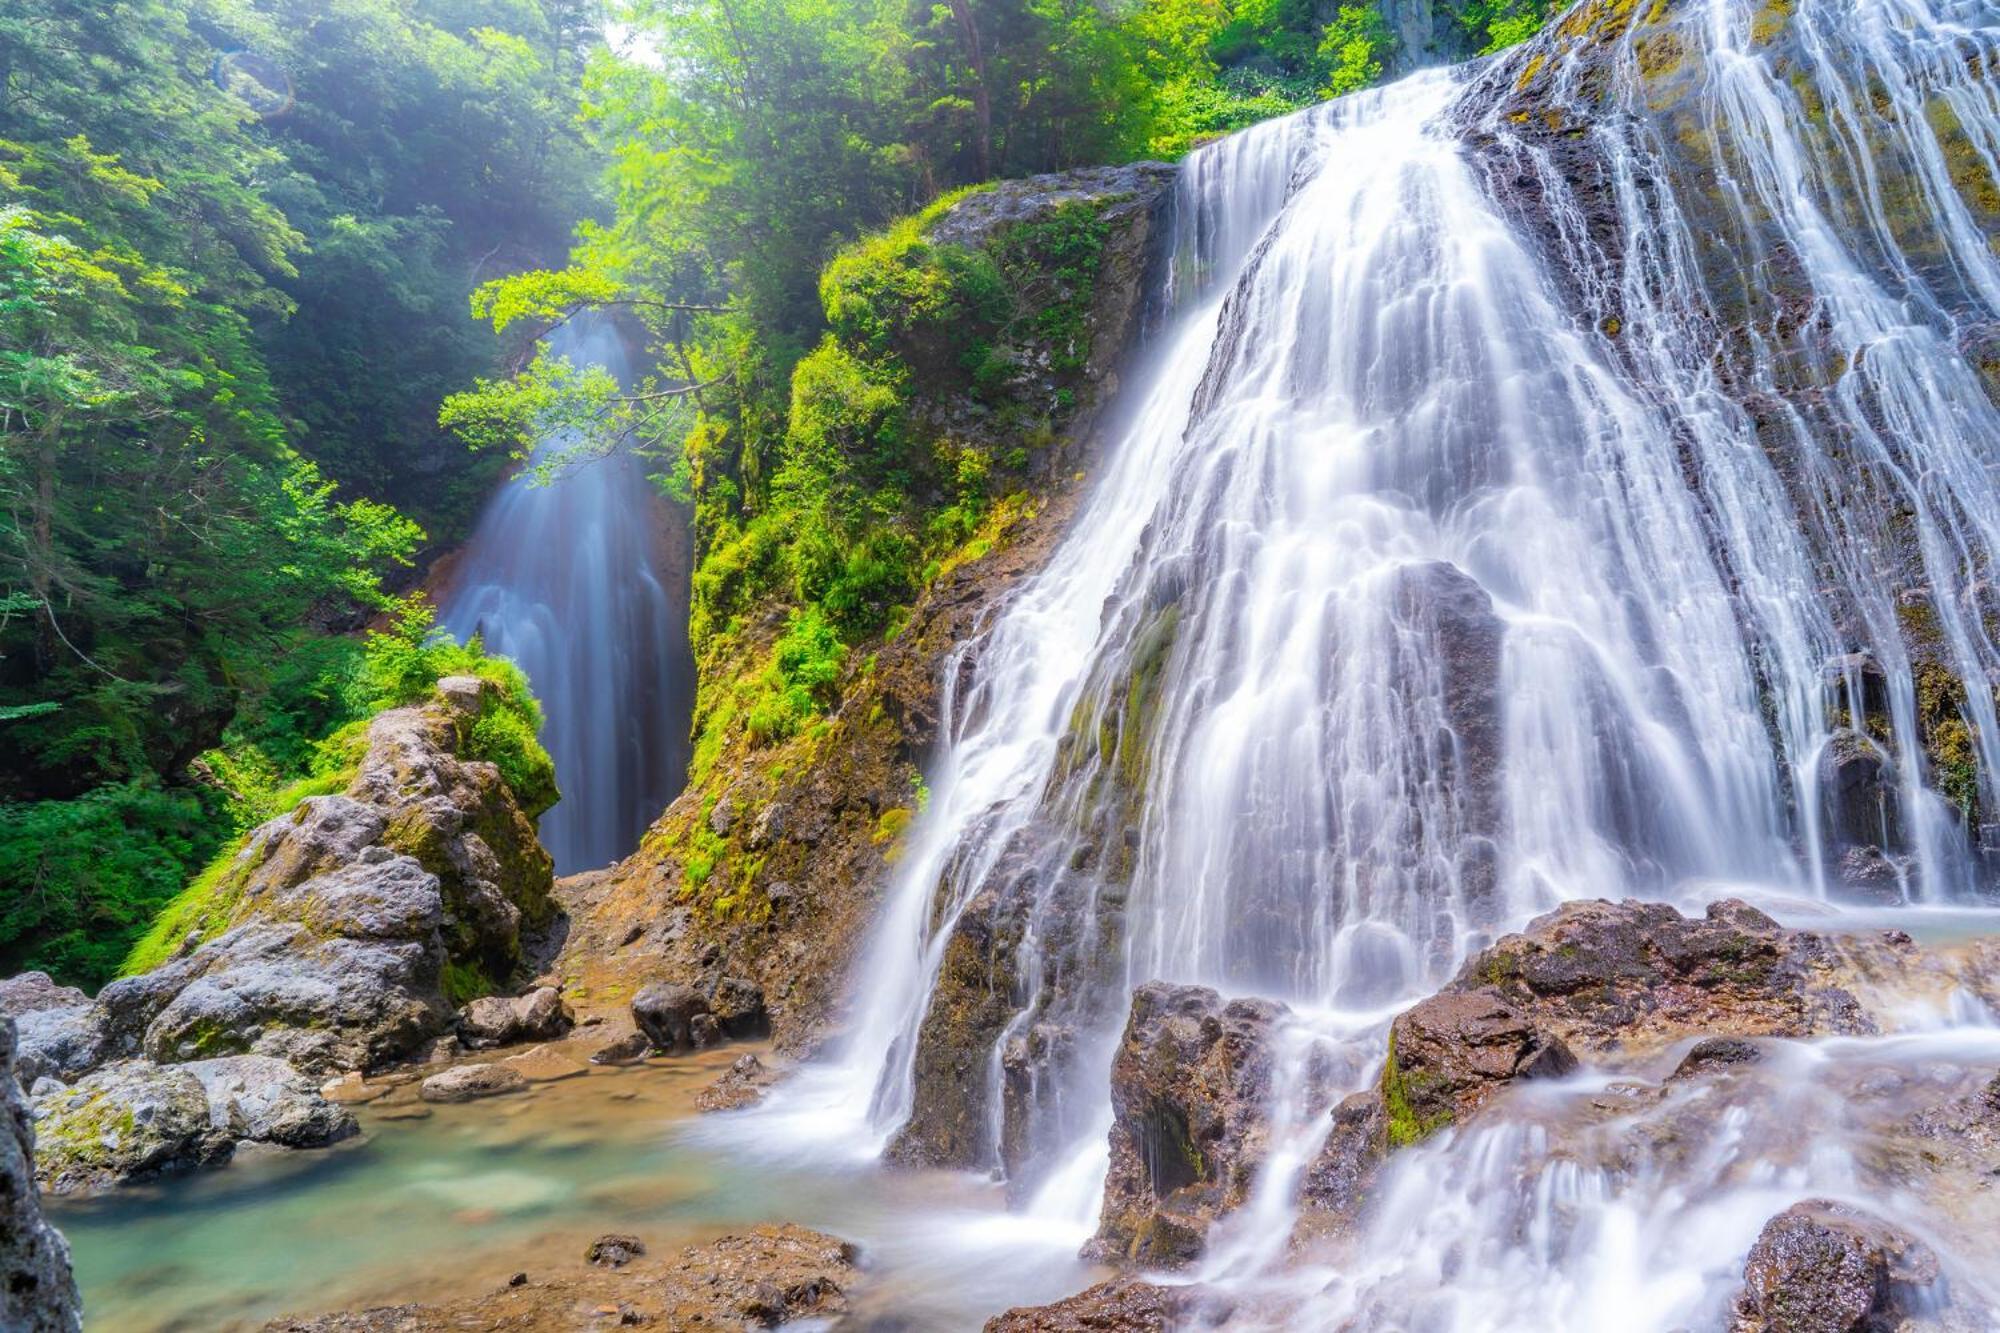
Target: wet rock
1122, 1305
497, 1020
134, 1120
1715, 1054
1190, 1092
1861, 807
1822, 1267
1462, 641
1630, 976
743, 1084
665, 1011
37, 1289
704, 1031
471, 1082
1450, 1054
614, 1251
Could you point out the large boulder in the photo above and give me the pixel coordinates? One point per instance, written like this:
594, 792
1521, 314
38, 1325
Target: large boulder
1190, 1094
1609, 977
1452, 1053
1822, 1267
1591, 981
135, 1120
37, 1288
347, 924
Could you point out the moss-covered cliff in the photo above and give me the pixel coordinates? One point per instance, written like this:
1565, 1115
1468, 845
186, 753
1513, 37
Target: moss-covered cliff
936, 438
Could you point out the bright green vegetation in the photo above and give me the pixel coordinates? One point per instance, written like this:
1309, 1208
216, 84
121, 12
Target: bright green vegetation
236, 241
269, 765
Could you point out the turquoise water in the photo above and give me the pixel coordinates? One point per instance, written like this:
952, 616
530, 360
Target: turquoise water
453, 1203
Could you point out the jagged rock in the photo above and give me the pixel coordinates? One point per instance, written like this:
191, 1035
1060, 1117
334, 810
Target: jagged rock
1595, 979
1822, 1267
134, 1120
37, 1289
497, 1020
1450, 1054
762, 1278
1122, 1305
743, 1084
1622, 976
614, 1251
1462, 640
665, 1012
1190, 1092
470, 1082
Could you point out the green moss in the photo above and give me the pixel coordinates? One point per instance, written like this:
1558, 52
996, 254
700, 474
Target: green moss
1405, 1126
464, 982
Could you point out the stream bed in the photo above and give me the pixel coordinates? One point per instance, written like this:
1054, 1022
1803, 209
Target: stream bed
453, 1203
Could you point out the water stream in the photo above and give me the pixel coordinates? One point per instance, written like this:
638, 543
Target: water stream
583, 583
1508, 518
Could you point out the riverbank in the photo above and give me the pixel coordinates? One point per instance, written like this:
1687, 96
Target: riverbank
446, 1203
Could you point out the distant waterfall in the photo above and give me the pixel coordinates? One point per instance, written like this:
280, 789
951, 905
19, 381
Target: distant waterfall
1474, 546
583, 583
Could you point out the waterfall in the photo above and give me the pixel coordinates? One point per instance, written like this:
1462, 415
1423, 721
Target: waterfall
582, 582
1529, 500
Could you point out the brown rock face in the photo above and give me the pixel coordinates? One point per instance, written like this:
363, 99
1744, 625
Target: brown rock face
1821, 1267
1123, 1305
1595, 979
1453, 1052
1190, 1088
1626, 976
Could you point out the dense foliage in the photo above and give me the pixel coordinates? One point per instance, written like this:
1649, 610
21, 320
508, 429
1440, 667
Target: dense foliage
236, 238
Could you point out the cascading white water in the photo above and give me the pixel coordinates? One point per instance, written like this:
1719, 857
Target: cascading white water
577, 582
1506, 518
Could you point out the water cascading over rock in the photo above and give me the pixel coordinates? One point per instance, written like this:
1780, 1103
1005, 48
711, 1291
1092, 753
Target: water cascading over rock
582, 582
1567, 479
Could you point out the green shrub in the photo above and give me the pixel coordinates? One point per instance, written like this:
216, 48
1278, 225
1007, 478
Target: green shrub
79, 879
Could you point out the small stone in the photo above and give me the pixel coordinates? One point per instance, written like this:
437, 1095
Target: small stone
518, 1280
470, 1082
614, 1251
